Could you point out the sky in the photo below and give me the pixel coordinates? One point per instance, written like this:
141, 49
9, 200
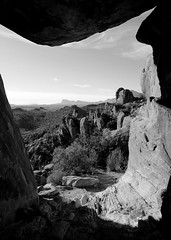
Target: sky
89, 70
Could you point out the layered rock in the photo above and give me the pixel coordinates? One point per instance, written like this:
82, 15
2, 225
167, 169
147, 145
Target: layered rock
138, 194
17, 185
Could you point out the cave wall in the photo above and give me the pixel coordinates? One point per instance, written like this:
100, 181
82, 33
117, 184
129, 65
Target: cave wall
55, 22
17, 186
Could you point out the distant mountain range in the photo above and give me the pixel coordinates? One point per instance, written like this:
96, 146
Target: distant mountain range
83, 103
64, 102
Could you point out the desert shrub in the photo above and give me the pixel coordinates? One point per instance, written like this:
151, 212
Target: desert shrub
26, 121
117, 160
75, 159
56, 177
40, 151
112, 125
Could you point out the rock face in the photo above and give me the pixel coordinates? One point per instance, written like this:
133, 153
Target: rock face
120, 119
149, 79
124, 96
17, 185
156, 31
58, 22
84, 126
138, 194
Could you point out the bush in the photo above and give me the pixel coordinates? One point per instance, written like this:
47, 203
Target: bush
75, 159
56, 177
118, 150
117, 161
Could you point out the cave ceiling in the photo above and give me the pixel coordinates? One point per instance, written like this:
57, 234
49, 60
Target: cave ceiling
56, 22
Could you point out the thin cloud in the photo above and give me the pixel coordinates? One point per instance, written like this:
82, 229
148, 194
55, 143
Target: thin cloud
82, 85
22, 97
56, 79
115, 38
106, 91
137, 50
104, 40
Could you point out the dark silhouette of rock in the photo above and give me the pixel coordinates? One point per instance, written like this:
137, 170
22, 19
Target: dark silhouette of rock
52, 22
124, 96
17, 185
156, 31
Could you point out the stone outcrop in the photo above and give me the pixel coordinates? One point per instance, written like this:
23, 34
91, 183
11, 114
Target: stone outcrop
84, 126
58, 22
138, 194
17, 184
98, 122
124, 96
120, 119
149, 79
156, 31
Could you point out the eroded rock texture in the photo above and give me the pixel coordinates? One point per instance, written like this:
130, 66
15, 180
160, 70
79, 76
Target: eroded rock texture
56, 22
149, 80
17, 185
138, 194
156, 31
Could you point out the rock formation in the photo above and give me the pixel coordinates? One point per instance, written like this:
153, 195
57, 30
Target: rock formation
124, 96
149, 80
84, 126
58, 22
138, 194
120, 119
17, 184
156, 31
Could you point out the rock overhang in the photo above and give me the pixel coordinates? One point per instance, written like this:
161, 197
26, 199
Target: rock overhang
57, 22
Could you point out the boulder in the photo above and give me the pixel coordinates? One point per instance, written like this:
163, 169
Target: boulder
48, 167
81, 182
17, 185
49, 190
124, 96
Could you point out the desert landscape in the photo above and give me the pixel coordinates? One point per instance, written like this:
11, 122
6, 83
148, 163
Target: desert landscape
87, 169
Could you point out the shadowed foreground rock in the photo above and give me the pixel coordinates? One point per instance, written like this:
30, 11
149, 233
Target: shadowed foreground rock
17, 184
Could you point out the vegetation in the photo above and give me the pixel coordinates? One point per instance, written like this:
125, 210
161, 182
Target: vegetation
74, 159
56, 177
